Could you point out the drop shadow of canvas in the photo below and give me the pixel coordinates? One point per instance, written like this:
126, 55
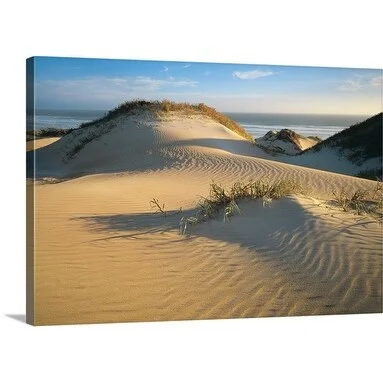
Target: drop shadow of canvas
17, 317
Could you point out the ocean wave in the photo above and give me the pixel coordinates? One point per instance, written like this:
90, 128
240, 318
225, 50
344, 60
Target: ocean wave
43, 122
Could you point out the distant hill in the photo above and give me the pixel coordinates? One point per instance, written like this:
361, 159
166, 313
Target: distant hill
359, 143
286, 141
362, 141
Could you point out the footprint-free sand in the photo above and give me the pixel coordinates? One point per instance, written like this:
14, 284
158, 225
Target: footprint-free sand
102, 254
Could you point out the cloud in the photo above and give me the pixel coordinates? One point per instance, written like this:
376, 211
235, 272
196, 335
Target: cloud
184, 83
359, 82
351, 85
252, 74
376, 81
95, 91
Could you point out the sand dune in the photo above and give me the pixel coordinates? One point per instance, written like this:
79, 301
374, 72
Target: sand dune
103, 255
40, 143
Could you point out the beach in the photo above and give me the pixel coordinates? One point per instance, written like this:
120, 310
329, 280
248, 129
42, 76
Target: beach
104, 254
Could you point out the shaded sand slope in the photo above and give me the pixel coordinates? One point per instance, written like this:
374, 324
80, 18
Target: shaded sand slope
103, 255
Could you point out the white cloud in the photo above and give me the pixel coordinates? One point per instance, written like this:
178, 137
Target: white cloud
184, 83
252, 74
351, 85
376, 81
360, 82
101, 90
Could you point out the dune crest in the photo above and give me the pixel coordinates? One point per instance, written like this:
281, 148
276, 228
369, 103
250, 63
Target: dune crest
142, 141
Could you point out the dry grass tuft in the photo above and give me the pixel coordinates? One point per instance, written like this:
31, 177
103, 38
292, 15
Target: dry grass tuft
165, 106
222, 200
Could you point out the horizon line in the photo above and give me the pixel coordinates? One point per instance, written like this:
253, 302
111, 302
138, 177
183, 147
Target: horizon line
233, 112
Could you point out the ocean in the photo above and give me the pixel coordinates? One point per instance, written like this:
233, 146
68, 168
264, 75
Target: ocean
320, 125
257, 124
61, 118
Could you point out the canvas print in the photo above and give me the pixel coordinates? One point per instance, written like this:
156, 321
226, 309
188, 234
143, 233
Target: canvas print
162, 191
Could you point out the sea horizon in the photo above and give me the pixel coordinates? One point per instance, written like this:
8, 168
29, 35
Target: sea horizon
256, 123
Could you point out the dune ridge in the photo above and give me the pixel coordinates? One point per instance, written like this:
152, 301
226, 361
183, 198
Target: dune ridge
103, 255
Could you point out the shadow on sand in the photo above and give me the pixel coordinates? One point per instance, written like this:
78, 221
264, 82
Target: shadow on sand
301, 248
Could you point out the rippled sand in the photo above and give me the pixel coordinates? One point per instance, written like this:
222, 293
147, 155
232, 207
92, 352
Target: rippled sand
103, 255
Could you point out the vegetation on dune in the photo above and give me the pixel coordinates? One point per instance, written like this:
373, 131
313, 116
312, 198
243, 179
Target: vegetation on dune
362, 141
371, 174
160, 107
224, 201
160, 208
84, 136
361, 201
47, 132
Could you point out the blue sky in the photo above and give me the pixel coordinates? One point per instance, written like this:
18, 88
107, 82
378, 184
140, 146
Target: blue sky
75, 83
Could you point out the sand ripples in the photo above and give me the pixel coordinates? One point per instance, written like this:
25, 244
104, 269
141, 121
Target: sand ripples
103, 255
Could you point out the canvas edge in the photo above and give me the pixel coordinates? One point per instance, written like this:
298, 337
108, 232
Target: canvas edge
30, 198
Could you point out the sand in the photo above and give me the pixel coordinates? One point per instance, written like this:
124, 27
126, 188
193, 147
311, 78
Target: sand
104, 255
40, 143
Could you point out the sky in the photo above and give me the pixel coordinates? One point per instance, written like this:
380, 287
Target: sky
102, 84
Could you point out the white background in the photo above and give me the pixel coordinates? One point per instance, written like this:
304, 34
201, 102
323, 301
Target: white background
305, 349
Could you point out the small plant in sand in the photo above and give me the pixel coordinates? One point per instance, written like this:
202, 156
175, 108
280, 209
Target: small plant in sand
224, 200
155, 204
160, 208
357, 201
230, 210
378, 192
266, 201
341, 198
185, 222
